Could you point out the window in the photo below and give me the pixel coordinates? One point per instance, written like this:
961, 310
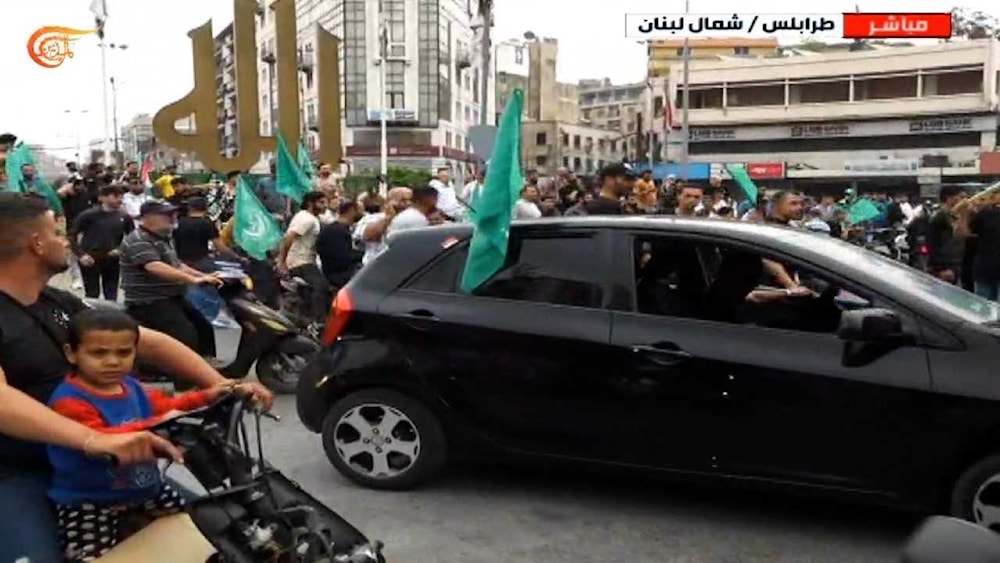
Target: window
519, 55
447, 139
444, 273
576, 141
395, 84
541, 160
540, 139
558, 271
741, 50
565, 162
459, 142
475, 86
707, 281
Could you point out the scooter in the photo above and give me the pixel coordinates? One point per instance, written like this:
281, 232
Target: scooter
251, 512
269, 339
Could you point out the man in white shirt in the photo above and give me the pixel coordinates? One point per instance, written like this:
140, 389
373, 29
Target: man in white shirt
422, 213
372, 227
132, 201
527, 207
472, 191
447, 198
297, 256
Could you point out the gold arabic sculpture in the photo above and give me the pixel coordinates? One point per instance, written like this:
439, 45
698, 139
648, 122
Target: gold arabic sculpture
202, 103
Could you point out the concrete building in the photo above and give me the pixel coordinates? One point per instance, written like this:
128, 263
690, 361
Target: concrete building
548, 145
664, 55
433, 78
531, 66
892, 115
225, 81
137, 135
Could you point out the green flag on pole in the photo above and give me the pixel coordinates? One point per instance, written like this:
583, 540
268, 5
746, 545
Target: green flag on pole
254, 228
742, 179
304, 163
488, 248
291, 180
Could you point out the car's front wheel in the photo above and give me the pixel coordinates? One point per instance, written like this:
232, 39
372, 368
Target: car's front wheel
383, 439
976, 495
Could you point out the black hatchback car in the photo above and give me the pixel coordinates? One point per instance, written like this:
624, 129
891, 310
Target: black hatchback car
658, 343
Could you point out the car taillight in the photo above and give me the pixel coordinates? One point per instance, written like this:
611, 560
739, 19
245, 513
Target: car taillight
340, 313
923, 249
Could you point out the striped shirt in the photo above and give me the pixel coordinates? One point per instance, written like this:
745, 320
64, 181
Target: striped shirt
139, 248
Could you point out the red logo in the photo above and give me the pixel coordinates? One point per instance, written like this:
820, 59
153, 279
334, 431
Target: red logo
766, 170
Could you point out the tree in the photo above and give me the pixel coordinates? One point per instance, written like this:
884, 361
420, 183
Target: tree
973, 24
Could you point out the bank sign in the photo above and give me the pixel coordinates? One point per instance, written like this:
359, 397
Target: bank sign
949, 124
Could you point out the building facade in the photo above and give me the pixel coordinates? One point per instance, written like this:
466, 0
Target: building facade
549, 145
433, 78
667, 54
225, 83
137, 135
893, 115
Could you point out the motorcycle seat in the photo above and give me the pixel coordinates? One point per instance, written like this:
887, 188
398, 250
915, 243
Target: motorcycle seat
172, 539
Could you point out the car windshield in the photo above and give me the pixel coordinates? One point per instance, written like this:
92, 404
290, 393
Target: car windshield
955, 300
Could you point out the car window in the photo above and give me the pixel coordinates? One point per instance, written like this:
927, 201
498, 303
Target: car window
444, 273
714, 282
555, 270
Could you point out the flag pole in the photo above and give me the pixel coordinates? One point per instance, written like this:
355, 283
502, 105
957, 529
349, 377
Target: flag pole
685, 129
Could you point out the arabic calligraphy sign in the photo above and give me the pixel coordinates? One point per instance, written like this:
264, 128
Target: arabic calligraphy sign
201, 101
50, 46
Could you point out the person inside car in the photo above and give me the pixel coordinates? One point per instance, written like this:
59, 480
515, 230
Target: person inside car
35, 327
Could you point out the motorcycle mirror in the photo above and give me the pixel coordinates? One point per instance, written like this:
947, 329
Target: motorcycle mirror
946, 540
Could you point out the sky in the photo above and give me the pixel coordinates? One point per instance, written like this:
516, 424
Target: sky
45, 106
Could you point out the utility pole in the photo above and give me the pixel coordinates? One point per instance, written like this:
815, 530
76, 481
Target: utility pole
384, 143
685, 128
114, 117
486, 13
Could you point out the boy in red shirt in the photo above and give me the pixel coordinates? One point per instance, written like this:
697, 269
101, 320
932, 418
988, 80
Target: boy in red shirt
90, 495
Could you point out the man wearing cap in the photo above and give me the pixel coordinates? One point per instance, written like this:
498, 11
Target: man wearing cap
155, 281
614, 184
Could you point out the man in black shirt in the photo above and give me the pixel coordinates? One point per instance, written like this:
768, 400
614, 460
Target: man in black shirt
335, 247
613, 179
95, 237
32, 335
193, 235
947, 250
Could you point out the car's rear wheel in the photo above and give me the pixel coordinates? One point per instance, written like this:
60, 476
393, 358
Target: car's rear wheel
976, 495
383, 439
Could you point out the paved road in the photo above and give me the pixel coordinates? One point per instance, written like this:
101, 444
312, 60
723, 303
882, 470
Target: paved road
499, 515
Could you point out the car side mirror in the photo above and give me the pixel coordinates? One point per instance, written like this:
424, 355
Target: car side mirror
870, 325
946, 540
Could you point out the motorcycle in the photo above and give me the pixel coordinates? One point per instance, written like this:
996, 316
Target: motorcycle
295, 298
269, 339
251, 512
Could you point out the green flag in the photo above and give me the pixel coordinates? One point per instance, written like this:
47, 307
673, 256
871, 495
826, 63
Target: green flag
304, 163
18, 158
862, 211
742, 179
291, 180
254, 228
488, 248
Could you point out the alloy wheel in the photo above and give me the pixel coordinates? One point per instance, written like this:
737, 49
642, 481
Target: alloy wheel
377, 440
986, 504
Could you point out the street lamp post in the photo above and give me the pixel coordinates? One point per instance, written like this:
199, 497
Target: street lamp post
383, 53
79, 145
685, 129
114, 116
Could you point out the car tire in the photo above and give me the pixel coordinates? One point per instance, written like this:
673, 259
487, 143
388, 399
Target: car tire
979, 485
416, 420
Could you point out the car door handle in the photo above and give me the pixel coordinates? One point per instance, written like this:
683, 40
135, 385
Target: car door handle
664, 355
420, 319
422, 314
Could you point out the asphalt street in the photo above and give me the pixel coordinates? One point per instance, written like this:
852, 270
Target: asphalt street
481, 514
558, 515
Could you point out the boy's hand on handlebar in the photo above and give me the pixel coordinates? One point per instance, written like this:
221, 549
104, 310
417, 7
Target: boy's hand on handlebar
250, 389
131, 448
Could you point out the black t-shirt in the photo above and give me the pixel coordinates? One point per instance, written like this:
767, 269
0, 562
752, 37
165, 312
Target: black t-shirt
985, 224
31, 340
946, 250
81, 199
102, 230
191, 238
335, 249
604, 206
